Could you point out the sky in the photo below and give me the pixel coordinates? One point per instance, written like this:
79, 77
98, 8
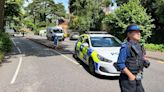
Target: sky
65, 3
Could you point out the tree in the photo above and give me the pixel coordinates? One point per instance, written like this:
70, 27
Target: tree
120, 2
155, 8
13, 12
88, 13
43, 11
160, 11
2, 3
132, 12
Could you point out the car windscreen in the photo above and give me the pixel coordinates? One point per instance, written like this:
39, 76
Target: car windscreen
57, 31
75, 33
105, 42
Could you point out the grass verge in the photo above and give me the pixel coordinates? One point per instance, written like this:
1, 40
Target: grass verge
154, 47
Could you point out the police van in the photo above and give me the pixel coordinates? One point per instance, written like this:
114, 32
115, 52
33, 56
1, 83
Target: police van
99, 51
58, 31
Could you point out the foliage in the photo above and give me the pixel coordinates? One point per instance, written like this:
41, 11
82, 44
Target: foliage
12, 9
160, 11
2, 3
13, 12
154, 47
5, 42
43, 10
42, 13
155, 8
87, 14
129, 13
1, 56
120, 2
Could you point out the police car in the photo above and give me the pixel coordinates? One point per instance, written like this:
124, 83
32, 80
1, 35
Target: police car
99, 51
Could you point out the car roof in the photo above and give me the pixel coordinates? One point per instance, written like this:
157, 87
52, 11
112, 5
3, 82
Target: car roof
98, 35
56, 27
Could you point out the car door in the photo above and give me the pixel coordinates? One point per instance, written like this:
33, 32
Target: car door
78, 48
85, 44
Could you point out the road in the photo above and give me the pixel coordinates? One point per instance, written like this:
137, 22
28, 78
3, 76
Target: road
31, 67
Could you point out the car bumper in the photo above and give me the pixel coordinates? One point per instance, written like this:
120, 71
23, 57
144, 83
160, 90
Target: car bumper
107, 69
74, 38
60, 38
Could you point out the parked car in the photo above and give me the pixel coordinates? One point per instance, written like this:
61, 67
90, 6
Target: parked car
58, 31
42, 32
74, 35
99, 51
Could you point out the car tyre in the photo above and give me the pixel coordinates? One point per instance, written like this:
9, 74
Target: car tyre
52, 38
75, 55
92, 67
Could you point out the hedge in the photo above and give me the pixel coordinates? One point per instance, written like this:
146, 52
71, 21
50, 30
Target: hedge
154, 47
5, 44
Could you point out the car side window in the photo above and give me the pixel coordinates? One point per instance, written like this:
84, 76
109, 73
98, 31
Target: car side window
86, 40
81, 39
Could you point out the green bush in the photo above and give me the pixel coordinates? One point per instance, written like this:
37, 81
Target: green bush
154, 47
5, 43
1, 56
126, 14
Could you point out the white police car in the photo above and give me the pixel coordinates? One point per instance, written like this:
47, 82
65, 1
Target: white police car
99, 51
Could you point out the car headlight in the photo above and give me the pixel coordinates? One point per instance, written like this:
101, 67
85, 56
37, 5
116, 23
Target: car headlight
104, 59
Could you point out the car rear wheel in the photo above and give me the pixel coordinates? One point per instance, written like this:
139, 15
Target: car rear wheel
92, 67
75, 55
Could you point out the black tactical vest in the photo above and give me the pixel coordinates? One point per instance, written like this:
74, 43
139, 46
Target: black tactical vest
135, 62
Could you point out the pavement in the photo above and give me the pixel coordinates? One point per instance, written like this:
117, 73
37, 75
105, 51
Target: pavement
157, 55
32, 67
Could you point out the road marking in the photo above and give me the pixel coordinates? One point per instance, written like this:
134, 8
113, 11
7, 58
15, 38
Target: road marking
73, 61
19, 50
19, 64
17, 71
13, 42
16, 46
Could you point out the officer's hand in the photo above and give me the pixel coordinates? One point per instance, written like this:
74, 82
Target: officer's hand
145, 58
132, 77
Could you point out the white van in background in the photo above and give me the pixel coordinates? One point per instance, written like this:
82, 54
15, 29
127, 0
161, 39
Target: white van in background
58, 31
11, 32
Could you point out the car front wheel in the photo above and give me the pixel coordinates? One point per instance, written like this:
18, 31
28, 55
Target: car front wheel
92, 67
75, 55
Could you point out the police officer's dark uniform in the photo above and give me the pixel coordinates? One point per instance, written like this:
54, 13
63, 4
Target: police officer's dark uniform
131, 56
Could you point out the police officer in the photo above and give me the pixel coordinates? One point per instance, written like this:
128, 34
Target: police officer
131, 61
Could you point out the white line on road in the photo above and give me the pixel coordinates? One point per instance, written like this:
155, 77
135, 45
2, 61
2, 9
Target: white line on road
13, 42
73, 61
19, 64
19, 50
16, 46
17, 71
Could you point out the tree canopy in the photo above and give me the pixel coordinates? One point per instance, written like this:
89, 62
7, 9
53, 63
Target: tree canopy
88, 13
132, 12
42, 13
156, 10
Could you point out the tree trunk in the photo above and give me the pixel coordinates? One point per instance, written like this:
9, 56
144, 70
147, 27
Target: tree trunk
2, 3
